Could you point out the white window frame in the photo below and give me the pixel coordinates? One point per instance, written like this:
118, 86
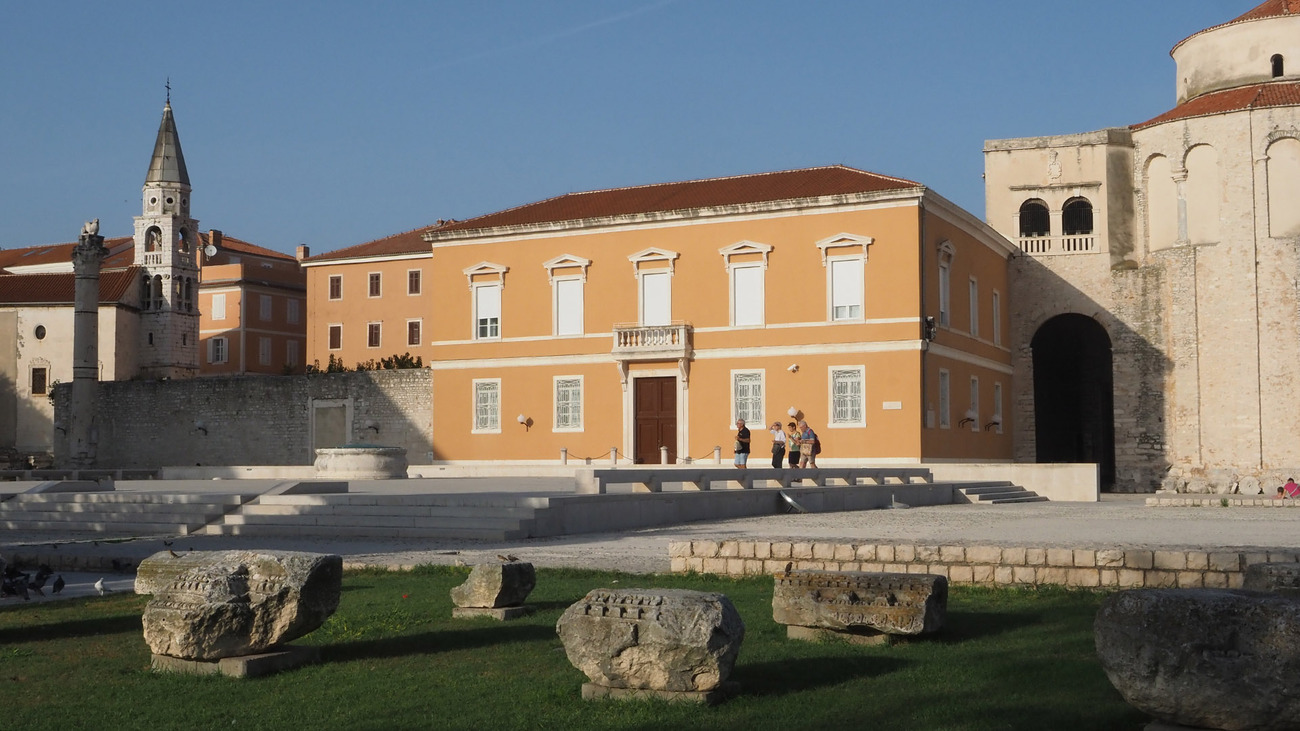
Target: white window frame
378, 328
666, 263
742, 248
860, 371
974, 307
293, 311
997, 405
946, 254
641, 294
758, 419
264, 307
264, 351
419, 323
490, 423
861, 260
329, 289
374, 285
997, 317
556, 426
218, 350
474, 292
418, 281
218, 306
973, 412
945, 399
45, 391
329, 336
556, 283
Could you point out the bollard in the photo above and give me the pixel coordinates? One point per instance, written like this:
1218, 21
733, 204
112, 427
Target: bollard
613, 455
564, 455
717, 455
663, 455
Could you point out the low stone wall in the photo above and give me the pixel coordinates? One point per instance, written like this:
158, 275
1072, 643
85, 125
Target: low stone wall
1220, 501
1105, 568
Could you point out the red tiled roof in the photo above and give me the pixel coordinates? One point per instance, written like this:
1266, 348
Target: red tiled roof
243, 247
1255, 96
691, 194
120, 254
60, 288
407, 242
1267, 9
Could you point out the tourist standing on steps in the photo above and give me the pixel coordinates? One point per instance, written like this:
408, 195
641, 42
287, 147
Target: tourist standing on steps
742, 444
792, 444
778, 445
808, 446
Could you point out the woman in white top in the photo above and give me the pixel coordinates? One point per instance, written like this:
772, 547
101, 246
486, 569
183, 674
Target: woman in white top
778, 445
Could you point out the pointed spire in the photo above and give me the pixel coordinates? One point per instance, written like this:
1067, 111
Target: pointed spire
168, 163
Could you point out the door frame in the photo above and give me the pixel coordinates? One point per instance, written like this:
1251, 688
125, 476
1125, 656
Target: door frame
629, 410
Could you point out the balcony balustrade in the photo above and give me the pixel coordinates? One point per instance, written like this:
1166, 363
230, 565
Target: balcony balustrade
1053, 245
652, 342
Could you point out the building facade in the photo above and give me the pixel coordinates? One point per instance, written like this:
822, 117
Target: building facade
646, 320
1157, 321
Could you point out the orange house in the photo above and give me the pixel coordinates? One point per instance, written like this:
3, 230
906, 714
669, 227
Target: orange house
646, 320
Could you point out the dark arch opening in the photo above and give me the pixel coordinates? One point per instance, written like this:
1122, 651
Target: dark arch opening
1074, 418
1034, 219
1276, 62
1076, 217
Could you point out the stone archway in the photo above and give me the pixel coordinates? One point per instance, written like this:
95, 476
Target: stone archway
1073, 394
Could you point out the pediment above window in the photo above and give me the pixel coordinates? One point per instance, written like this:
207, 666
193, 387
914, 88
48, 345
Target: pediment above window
741, 248
566, 261
653, 254
855, 243
486, 269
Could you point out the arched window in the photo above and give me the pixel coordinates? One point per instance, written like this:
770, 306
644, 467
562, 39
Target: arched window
146, 295
158, 292
189, 294
1276, 61
1034, 220
1076, 217
151, 238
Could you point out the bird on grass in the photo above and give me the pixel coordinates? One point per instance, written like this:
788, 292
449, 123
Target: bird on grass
59, 583
508, 558
99, 587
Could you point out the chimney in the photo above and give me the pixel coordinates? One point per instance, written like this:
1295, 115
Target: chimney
214, 238
303, 251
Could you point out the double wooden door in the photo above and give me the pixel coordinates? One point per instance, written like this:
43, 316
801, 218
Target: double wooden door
655, 406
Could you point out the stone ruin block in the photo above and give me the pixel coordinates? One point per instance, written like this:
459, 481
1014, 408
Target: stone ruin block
1279, 577
671, 641
219, 604
496, 585
1204, 658
860, 602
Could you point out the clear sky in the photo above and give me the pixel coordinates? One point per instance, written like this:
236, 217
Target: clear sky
334, 123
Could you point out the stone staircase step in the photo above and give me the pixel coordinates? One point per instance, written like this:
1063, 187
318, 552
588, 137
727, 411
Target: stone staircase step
259, 508
137, 498
114, 528
292, 530
378, 521
997, 493
450, 501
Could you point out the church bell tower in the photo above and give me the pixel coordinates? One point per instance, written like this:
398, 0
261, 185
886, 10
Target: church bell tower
166, 241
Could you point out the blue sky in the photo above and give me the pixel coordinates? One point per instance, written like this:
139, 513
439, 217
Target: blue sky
334, 123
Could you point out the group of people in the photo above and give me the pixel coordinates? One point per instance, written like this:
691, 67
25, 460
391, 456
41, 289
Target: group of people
800, 445
1289, 490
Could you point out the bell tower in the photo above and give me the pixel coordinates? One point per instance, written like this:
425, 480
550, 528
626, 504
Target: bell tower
166, 239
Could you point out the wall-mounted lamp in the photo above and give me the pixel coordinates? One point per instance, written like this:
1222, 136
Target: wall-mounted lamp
200, 426
527, 422
373, 425
931, 328
61, 428
793, 412
794, 368
997, 421
970, 417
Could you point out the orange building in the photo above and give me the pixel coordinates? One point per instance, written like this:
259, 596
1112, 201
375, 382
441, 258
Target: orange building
647, 319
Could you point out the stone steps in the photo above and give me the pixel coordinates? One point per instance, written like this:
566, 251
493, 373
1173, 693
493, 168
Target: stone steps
996, 493
364, 531
119, 513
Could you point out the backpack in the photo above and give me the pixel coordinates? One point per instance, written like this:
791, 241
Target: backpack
817, 446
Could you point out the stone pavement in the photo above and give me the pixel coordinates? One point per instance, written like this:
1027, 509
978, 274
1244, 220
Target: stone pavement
1118, 521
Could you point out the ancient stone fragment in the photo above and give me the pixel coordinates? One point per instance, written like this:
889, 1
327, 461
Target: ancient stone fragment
659, 639
899, 604
1279, 577
229, 603
1206, 658
496, 585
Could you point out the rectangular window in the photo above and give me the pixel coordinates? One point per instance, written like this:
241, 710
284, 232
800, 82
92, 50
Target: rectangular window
293, 311
656, 298
487, 311
945, 306
336, 287
568, 403
373, 334
217, 351
487, 405
375, 284
413, 281
40, 381
264, 351
569, 307
218, 306
997, 318
974, 308
974, 412
747, 397
997, 407
264, 307
412, 332
847, 406
747, 296
291, 353
945, 402
846, 288
336, 337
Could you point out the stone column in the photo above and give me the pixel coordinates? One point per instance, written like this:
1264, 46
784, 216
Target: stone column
82, 433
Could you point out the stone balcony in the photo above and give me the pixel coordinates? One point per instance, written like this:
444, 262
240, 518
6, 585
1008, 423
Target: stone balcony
1054, 245
653, 342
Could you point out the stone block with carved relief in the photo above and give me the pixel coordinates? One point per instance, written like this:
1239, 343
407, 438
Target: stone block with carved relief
859, 601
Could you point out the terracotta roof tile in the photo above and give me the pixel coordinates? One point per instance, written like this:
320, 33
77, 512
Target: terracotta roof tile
120, 254
243, 247
691, 194
407, 242
1268, 9
1255, 96
59, 288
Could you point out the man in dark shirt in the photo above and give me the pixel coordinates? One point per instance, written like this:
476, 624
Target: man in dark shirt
742, 444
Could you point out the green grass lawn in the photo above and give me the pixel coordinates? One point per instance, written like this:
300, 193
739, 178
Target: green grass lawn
392, 658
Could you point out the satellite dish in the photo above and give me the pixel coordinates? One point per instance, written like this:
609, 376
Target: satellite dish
210, 251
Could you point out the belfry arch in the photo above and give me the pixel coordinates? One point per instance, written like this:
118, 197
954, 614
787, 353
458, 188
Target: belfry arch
1074, 394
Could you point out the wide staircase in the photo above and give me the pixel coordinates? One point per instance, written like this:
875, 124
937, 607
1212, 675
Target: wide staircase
117, 513
994, 493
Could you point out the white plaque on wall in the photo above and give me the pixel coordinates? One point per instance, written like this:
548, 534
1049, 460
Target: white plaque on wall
892, 405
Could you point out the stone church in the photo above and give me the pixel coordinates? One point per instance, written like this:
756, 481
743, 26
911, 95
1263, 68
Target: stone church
1156, 319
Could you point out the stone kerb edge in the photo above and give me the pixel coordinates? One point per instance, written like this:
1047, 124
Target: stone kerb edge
1110, 568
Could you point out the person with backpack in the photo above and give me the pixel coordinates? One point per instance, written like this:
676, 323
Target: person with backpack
809, 445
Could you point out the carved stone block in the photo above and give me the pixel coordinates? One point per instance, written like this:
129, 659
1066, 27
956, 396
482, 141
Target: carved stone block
659, 639
1279, 577
496, 585
858, 601
229, 603
1205, 658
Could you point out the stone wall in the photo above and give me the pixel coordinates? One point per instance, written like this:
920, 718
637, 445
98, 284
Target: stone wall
1101, 568
251, 420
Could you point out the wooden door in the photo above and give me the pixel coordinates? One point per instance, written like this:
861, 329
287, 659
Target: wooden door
656, 419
